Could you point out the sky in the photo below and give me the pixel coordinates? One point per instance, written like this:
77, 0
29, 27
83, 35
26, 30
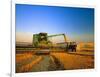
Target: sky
76, 23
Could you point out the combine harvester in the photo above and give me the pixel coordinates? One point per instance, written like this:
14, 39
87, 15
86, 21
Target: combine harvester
42, 43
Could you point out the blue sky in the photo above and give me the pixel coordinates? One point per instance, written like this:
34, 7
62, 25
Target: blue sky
76, 23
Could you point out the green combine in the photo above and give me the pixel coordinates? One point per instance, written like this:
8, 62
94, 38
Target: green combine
41, 41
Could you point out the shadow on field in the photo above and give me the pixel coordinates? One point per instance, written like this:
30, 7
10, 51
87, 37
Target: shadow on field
55, 64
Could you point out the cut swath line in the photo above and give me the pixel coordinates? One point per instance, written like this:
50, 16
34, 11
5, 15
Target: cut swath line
27, 67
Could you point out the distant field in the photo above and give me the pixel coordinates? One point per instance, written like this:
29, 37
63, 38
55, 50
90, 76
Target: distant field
85, 46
